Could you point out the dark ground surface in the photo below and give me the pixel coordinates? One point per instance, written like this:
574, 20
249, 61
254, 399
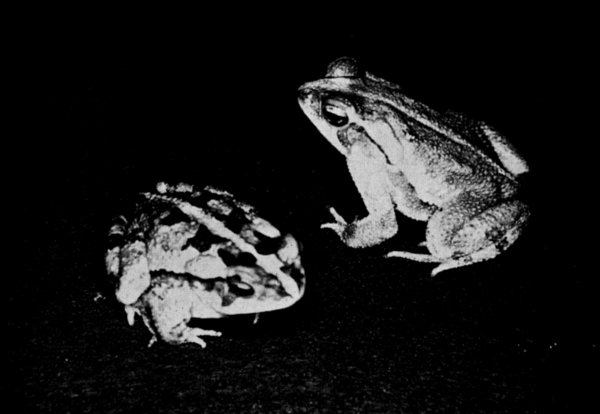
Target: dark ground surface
516, 334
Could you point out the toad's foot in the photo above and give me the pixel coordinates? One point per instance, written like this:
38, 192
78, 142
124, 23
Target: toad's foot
425, 258
193, 335
368, 231
449, 263
417, 257
339, 225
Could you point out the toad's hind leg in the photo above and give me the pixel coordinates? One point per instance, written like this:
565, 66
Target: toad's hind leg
455, 241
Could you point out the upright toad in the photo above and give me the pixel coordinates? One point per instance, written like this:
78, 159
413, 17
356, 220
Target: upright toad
184, 254
458, 175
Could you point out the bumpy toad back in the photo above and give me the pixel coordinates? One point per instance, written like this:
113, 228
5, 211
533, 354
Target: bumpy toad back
458, 175
185, 254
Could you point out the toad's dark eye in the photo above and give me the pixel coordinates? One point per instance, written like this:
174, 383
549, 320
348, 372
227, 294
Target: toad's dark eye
240, 288
334, 112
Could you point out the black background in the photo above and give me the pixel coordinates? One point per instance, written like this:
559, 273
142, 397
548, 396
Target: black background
107, 115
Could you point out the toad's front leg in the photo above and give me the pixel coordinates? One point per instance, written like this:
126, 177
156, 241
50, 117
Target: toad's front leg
365, 232
370, 174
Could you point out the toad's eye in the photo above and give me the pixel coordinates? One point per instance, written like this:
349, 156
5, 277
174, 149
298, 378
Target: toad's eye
334, 112
239, 288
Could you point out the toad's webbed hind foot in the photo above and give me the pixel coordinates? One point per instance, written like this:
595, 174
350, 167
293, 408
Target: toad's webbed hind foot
463, 233
417, 257
446, 264
182, 334
192, 335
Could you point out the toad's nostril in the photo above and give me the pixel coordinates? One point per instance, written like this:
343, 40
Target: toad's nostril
307, 97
